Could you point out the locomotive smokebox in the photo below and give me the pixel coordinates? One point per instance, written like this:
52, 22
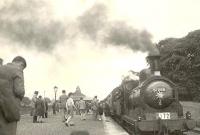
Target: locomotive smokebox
154, 62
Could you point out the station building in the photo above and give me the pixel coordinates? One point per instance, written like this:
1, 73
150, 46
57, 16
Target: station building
78, 94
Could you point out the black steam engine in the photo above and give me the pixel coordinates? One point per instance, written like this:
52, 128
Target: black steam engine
150, 108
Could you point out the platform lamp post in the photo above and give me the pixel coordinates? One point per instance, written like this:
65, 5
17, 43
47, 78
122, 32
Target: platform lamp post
55, 91
54, 105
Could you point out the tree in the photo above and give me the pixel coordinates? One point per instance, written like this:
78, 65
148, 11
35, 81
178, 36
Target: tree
180, 61
26, 101
47, 99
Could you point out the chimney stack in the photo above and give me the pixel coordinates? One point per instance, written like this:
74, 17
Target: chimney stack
154, 62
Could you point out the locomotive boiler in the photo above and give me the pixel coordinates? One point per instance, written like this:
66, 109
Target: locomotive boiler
150, 106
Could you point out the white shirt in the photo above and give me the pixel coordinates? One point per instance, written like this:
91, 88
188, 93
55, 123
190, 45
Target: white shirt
70, 102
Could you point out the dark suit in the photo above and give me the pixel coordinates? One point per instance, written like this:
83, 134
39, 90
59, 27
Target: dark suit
63, 100
11, 94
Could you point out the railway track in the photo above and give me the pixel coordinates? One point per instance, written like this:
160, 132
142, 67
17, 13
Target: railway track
195, 131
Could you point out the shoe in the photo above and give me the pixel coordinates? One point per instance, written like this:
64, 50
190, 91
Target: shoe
72, 124
67, 124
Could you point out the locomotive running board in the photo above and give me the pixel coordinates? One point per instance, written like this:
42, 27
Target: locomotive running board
153, 125
129, 120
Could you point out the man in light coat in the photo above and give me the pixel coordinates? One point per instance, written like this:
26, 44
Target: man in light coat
33, 105
95, 106
11, 93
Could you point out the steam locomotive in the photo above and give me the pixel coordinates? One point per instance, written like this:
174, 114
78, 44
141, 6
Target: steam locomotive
150, 108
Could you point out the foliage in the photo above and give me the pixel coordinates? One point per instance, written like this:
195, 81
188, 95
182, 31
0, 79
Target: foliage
180, 61
26, 101
48, 100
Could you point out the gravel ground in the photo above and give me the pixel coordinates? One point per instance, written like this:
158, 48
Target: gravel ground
54, 126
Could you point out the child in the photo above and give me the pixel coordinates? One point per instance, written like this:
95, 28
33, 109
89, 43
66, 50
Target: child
82, 107
70, 109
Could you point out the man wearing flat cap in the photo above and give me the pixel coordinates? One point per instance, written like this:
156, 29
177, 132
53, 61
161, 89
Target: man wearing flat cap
33, 105
11, 93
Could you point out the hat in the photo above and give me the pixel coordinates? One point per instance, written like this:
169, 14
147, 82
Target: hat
21, 59
36, 92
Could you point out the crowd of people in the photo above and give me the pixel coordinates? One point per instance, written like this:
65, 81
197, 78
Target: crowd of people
12, 92
82, 107
67, 108
98, 108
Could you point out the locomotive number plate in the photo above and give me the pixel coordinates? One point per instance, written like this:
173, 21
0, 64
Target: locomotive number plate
164, 115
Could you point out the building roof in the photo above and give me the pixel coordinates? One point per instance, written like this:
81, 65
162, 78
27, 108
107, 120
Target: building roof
87, 98
77, 94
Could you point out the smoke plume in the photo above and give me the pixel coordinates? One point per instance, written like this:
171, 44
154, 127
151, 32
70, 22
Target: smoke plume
30, 24
98, 27
93, 20
24, 22
120, 34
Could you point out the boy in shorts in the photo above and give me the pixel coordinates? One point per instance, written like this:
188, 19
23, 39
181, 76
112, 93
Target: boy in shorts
70, 109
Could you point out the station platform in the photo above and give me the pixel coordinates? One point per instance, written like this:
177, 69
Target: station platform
53, 125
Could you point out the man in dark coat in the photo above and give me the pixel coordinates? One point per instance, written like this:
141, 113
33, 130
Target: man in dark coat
11, 93
46, 108
63, 100
40, 109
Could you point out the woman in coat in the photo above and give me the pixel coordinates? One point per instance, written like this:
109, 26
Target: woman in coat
40, 109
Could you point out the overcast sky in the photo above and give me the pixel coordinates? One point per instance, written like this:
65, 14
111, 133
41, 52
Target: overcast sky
88, 43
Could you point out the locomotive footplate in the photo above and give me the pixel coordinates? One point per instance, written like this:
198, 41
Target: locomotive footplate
156, 125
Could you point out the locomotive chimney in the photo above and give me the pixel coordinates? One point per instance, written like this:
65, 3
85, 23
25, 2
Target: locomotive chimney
1, 61
154, 62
